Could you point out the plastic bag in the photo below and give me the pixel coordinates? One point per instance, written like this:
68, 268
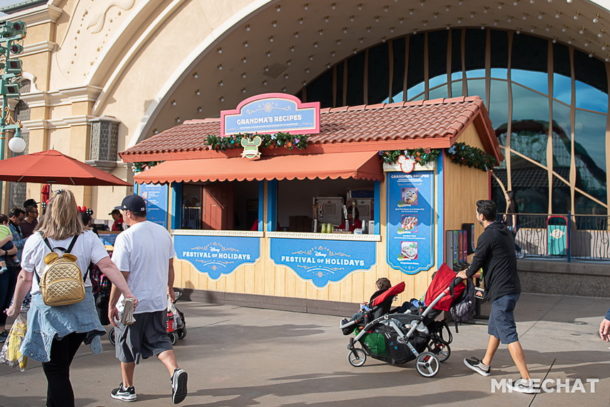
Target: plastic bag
11, 353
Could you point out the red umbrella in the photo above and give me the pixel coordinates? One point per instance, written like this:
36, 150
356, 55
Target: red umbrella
53, 167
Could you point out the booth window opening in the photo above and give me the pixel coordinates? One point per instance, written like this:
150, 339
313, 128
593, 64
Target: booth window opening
326, 206
231, 205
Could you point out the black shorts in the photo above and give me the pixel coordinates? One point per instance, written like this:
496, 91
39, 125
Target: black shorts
145, 338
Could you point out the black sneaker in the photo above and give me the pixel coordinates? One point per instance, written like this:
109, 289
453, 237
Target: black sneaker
179, 379
124, 394
478, 366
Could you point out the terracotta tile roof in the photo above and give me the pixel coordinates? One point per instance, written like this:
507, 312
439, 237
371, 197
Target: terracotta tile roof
425, 120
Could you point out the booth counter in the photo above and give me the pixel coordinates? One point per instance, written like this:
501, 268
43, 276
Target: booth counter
246, 227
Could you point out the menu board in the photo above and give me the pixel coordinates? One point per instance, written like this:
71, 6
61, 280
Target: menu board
156, 202
410, 221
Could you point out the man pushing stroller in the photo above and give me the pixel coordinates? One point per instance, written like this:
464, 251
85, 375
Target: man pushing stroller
495, 254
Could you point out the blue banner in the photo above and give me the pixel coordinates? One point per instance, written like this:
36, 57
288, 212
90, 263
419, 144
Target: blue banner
217, 255
272, 113
410, 221
156, 202
322, 261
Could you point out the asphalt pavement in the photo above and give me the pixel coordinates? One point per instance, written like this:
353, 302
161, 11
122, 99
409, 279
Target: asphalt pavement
238, 357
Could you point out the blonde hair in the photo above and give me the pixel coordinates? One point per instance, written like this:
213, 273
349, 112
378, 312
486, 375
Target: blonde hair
61, 219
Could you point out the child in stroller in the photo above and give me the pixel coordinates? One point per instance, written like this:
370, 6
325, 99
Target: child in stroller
397, 338
383, 285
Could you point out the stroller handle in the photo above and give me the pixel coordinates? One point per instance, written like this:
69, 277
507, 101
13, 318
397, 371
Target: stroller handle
455, 282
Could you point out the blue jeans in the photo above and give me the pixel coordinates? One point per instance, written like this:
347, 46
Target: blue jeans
501, 319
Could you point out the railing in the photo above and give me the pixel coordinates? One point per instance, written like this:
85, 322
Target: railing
567, 236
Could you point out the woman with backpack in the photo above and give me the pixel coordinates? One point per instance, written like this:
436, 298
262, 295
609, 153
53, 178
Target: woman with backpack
69, 325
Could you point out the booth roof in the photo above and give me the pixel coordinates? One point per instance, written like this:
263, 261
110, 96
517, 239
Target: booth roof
406, 125
355, 165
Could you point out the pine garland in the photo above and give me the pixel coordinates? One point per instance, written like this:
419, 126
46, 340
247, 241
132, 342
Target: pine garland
459, 153
422, 156
279, 140
463, 154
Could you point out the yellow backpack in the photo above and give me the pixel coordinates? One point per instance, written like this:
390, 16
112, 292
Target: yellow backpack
62, 282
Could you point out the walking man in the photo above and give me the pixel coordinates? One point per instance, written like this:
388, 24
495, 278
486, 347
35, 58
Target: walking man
495, 254
144, 254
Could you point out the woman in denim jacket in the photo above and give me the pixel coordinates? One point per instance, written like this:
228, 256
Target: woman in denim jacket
54, 334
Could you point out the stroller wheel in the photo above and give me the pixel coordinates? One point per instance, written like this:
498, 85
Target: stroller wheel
111, 336
427, 364
441, 350
182, 333
173, 337
356, 357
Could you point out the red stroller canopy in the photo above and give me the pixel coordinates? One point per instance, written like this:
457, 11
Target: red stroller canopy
441, 281
397, 289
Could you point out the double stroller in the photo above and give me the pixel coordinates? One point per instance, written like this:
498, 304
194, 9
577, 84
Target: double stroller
406, 333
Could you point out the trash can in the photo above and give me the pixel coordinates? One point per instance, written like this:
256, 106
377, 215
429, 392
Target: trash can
557, 235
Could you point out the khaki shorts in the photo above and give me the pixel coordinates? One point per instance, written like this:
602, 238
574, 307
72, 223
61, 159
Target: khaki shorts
145, 338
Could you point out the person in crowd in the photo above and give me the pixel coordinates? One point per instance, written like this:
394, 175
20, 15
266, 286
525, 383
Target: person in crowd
15, 217
495, 254
87, 218
54, 334
144, 253
7, 248
30, 221
117, 224
604, 328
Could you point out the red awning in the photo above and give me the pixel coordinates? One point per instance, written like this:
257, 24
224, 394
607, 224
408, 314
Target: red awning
358, 165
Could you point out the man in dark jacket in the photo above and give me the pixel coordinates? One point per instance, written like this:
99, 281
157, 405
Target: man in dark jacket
495, 254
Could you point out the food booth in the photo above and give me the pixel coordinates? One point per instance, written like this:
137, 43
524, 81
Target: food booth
279, 203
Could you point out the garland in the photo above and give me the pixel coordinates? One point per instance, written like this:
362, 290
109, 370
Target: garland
459, 153
473, 157
422, 156
278, 140
143, 165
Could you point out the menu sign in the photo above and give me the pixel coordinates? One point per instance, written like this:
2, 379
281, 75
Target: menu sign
155, 196
410, 221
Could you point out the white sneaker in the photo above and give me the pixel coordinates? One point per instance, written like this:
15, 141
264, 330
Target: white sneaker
478, 366
525, 386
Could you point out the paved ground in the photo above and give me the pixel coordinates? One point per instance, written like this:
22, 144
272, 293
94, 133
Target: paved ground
241, 357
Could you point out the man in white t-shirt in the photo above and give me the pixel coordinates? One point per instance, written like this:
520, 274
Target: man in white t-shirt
144, 253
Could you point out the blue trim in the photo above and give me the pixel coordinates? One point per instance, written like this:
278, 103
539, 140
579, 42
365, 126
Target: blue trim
261, 204
440, 209
176, 205
271, 205
377, 206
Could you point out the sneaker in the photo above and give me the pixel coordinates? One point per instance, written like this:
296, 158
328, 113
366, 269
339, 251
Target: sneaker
3, 336
179, 379
525, 386
478, 366
124, 394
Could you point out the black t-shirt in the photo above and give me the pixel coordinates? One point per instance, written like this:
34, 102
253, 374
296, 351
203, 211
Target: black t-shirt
495, 254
